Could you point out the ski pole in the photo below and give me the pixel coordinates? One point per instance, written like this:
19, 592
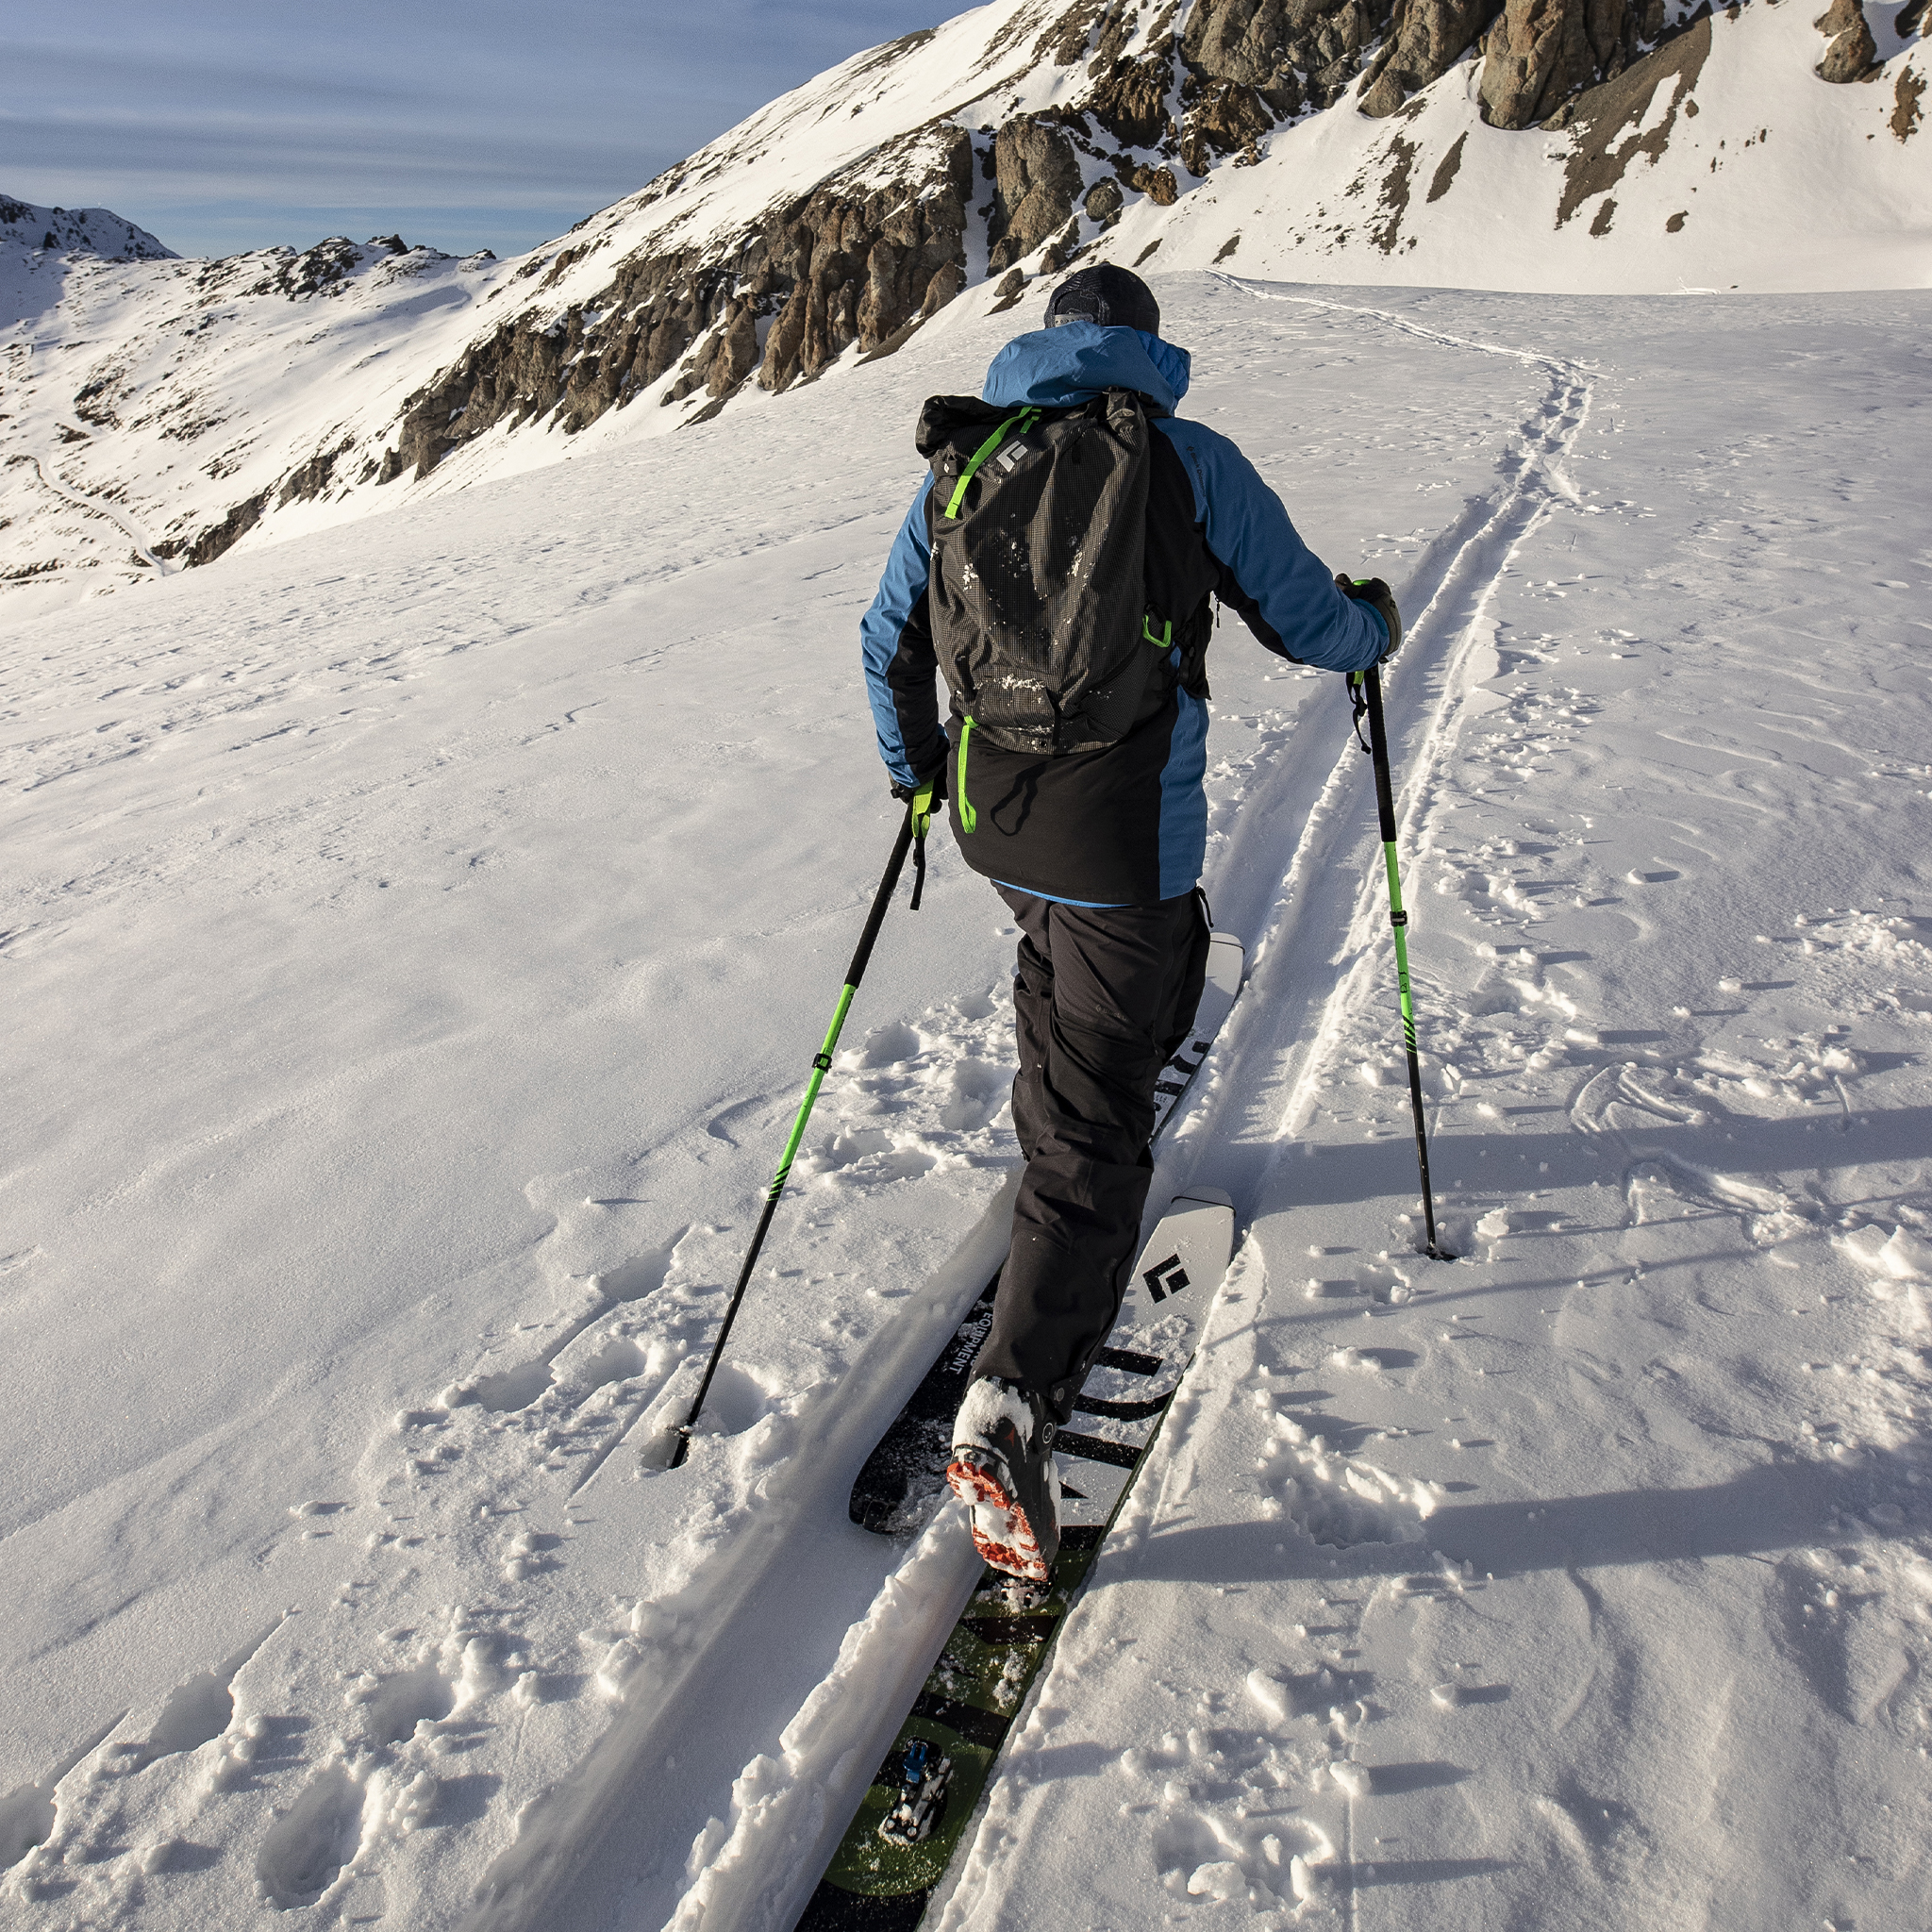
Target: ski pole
918, 816
1367, 689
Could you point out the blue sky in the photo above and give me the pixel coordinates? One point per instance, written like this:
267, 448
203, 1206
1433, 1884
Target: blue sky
220, 126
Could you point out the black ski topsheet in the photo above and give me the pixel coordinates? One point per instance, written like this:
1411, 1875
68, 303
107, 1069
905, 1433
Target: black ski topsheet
1001, 1640
906, 1470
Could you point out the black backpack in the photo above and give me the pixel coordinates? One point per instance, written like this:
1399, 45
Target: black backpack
1038, 591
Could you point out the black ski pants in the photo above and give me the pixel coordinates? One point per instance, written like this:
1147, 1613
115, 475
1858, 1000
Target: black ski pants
1103, 997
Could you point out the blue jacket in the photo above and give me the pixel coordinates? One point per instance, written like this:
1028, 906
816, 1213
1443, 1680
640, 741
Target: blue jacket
1126, 824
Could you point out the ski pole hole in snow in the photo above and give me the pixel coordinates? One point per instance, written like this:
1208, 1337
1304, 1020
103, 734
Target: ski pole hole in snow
738, 1401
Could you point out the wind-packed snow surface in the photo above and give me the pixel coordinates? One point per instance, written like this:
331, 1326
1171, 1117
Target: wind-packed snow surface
417, 934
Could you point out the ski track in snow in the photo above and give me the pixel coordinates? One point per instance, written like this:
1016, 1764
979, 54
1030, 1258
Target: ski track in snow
532, 1681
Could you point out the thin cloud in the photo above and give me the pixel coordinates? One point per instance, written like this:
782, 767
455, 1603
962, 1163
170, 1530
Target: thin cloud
218, 125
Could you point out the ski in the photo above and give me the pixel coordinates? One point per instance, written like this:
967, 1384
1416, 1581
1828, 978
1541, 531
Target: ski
893, 1492
915, 1811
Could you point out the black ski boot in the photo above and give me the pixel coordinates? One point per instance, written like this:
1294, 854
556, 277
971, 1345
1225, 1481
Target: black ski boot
1003, 1471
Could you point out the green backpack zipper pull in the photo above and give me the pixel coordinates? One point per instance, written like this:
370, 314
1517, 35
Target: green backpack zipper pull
969, 819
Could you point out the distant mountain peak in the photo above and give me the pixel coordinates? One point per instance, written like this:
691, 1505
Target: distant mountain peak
77, 231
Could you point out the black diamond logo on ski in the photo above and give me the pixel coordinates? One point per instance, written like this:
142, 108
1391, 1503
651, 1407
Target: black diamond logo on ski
1165, 1278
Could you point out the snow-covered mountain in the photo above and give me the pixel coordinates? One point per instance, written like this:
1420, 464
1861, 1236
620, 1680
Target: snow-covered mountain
158, 412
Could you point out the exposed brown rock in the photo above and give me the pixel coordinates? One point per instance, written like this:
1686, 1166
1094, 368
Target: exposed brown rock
1395, 193
842, 265
1608, 132
1116, 29
736, 352
1068, 36
1104, 203
1446, 170
1427, 38
1224, 117
1852, 53
313, 477
219, 537
1131, 101
1540, 52
1289, 51
1036, 176
1906, 96
1156, 184
1911, 20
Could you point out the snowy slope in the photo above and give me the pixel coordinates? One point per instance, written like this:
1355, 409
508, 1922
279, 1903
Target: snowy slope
418, 932
38, 245
159, 414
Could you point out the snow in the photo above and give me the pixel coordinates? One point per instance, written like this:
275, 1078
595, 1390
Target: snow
418, 932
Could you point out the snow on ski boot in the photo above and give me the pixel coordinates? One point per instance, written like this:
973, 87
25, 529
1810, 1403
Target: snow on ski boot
923, 1777
1003, 1470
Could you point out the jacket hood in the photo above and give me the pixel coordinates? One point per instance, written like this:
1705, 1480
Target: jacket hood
1061, 367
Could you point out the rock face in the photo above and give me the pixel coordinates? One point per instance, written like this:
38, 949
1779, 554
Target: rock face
1541, 53
1852, 53
1427, 38
845, 264
1290, 53
1036, 176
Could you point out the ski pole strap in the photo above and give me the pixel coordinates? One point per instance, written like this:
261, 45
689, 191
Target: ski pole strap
922, 820
969, 819
1026, 419
1358, 696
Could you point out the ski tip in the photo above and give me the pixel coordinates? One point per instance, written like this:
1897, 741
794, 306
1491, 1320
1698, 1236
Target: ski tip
1213, 1197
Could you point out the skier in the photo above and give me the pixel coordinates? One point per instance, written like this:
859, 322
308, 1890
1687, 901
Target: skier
1077, 787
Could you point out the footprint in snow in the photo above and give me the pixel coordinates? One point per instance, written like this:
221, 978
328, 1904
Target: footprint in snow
306, 1848
511, 1389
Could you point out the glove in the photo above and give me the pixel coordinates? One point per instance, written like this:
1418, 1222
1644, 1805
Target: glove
1374, 591
935, 778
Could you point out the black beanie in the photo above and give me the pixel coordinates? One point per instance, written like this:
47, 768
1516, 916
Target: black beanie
1114, 297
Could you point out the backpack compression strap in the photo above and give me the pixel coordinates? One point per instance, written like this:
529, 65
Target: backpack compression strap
1026, 419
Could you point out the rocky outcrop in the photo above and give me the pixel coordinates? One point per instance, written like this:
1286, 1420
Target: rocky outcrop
1427, 38
1035, 178
1130, 100
848, 263
1852, 53
318, 270
219, 537
1291, 53
309, 479
1542, 52
1630, 118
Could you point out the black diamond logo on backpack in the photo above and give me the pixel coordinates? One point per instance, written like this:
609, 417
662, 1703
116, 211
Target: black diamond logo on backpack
1165, 1278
